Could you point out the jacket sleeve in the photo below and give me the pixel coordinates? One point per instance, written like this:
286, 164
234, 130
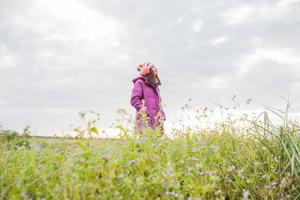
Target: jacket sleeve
137, 95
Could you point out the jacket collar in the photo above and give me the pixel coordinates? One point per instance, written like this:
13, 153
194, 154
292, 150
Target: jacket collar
145, 80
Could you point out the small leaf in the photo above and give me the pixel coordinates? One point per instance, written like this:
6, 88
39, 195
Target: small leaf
94, 130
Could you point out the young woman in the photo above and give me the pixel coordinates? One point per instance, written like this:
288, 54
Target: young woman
146, 99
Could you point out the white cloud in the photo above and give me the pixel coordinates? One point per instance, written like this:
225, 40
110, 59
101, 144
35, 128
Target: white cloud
283, 56
219, 40
123, 57
7, 58
82, 54
272, 11
197, 25
239, 15
261, 11
69, 22
179, 19
218, 83
287, 2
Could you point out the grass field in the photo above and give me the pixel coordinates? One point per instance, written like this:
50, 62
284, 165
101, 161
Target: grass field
219, 163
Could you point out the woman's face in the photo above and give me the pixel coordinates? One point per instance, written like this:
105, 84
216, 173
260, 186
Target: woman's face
154, 69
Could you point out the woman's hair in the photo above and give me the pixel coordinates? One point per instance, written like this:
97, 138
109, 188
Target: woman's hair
152, 79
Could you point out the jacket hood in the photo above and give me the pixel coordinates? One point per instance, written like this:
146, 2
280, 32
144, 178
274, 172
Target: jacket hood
137, 78
146, 81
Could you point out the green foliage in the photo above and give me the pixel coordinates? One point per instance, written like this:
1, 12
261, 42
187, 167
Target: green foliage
15, 140
224, 162
208, 166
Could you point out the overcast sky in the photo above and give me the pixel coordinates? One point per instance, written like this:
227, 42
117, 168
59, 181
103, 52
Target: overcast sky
58, 58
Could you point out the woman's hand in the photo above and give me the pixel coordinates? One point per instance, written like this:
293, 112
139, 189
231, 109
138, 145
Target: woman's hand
143, 109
